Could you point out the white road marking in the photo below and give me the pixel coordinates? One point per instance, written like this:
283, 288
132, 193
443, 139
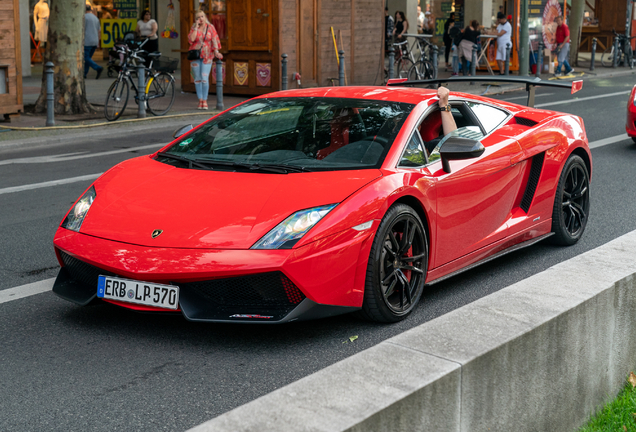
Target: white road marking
526, 97
567, 101
49, 183
27, 290
610, 140
74, 156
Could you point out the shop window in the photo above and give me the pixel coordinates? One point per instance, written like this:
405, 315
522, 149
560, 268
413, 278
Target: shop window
4, 79
217, 14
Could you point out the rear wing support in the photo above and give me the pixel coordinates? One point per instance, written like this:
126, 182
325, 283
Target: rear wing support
531, 83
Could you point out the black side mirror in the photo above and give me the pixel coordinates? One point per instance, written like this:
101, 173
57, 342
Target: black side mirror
456, 148
182, 130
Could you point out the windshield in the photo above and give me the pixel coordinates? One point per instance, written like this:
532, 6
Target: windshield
293, 134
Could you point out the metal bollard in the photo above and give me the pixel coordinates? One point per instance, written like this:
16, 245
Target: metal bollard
615, 53
50, 101
507, 68
540, 59
341, 80
593, 58
435, 61
391, 60
219, 85
284, 71
141, 85
473, 60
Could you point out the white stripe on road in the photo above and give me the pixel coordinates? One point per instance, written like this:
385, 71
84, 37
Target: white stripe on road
49, 183
563, 102
74, 156
27, 290
610, 140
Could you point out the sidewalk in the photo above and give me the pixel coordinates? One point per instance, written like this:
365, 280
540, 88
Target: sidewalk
185, 103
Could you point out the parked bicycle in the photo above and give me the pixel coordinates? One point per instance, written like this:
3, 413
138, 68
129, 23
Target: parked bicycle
159, 93
624, 55
423, 68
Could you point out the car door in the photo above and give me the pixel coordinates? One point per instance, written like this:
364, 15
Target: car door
475, 199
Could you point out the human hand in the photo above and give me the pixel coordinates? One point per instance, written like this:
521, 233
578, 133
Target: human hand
442, 94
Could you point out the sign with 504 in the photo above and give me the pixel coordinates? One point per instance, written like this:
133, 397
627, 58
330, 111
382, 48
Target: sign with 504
113, 30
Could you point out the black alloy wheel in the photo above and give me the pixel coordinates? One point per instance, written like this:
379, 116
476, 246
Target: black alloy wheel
571, 203
397, 266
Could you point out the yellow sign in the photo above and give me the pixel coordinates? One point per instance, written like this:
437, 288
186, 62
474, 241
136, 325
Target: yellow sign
114, 30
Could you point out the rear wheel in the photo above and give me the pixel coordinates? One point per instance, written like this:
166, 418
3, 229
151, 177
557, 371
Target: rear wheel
161, 94
397, 266
116, 99
571, 203
402, 67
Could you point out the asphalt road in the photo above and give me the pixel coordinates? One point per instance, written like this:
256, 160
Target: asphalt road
100, 367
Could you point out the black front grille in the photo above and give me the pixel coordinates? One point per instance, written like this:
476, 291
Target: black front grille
264, 290
82, 272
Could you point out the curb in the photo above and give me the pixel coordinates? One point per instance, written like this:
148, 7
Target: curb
542, 354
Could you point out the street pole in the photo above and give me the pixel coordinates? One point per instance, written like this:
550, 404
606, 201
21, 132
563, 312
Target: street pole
524, 40
576, 23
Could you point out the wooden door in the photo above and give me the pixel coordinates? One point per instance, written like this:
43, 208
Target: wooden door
249, 25
307, 30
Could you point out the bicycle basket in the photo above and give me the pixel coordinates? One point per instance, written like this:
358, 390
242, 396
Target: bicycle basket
165, 64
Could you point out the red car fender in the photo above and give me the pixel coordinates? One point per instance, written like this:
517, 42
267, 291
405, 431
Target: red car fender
630, 123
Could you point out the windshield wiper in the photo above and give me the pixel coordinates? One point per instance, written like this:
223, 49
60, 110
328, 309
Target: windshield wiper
190, 162
275, 168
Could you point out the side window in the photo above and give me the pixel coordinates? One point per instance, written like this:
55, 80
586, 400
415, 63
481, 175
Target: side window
414, 154
489, 117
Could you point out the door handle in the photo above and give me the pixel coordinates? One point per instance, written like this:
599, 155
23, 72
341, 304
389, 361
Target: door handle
265, 14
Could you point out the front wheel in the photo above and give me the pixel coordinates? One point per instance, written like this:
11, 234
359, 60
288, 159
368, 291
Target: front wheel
160, 93
397, 266
571, 203
607, 56
402, 67
116, 99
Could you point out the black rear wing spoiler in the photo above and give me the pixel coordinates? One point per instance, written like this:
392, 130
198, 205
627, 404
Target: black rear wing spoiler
530, 83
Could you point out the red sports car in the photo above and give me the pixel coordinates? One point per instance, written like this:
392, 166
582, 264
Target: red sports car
630, 125
315, 202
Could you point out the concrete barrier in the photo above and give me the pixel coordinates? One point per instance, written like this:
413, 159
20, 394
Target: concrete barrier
540, 355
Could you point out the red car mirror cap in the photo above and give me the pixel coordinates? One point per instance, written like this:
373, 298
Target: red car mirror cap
576, 86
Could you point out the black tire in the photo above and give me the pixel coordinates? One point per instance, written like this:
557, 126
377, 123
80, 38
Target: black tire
413, 73
425, 69
116, 99
161, 94
606, 57
571, 203
397, 267
634, 139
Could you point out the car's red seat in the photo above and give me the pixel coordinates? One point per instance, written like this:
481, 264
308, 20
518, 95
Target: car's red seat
431, 127
339, 133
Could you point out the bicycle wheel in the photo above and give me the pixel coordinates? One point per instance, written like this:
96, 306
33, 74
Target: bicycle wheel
160, 93
415, 73
607, 56
116, 99
402, 67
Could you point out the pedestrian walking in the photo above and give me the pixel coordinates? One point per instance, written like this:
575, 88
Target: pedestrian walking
147, 29
389, 25
448, 40
91, 41
204, 39
469, 38
503, 32
562, 39
401, 26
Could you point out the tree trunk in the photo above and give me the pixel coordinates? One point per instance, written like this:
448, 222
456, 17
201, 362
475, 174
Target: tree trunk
65, 48
576, 24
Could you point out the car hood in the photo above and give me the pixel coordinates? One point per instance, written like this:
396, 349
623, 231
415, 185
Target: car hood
206, 209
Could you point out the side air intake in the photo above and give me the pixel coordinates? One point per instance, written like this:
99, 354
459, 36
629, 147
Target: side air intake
533, 181
525, 121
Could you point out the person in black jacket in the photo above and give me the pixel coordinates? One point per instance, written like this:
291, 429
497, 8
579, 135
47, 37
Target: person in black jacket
448, 41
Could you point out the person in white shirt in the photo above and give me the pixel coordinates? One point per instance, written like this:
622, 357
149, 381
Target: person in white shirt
504, 31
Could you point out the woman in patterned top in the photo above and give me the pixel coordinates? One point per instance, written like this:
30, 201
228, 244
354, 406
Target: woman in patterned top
203, 36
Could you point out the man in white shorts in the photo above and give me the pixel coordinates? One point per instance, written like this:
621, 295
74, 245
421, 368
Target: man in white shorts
504, 30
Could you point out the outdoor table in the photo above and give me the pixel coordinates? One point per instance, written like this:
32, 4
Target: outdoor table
485, 43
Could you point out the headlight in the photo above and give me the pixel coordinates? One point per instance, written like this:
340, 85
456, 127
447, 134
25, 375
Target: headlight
289, 231
75, 217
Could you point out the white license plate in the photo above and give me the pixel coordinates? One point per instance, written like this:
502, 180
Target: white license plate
144, 293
